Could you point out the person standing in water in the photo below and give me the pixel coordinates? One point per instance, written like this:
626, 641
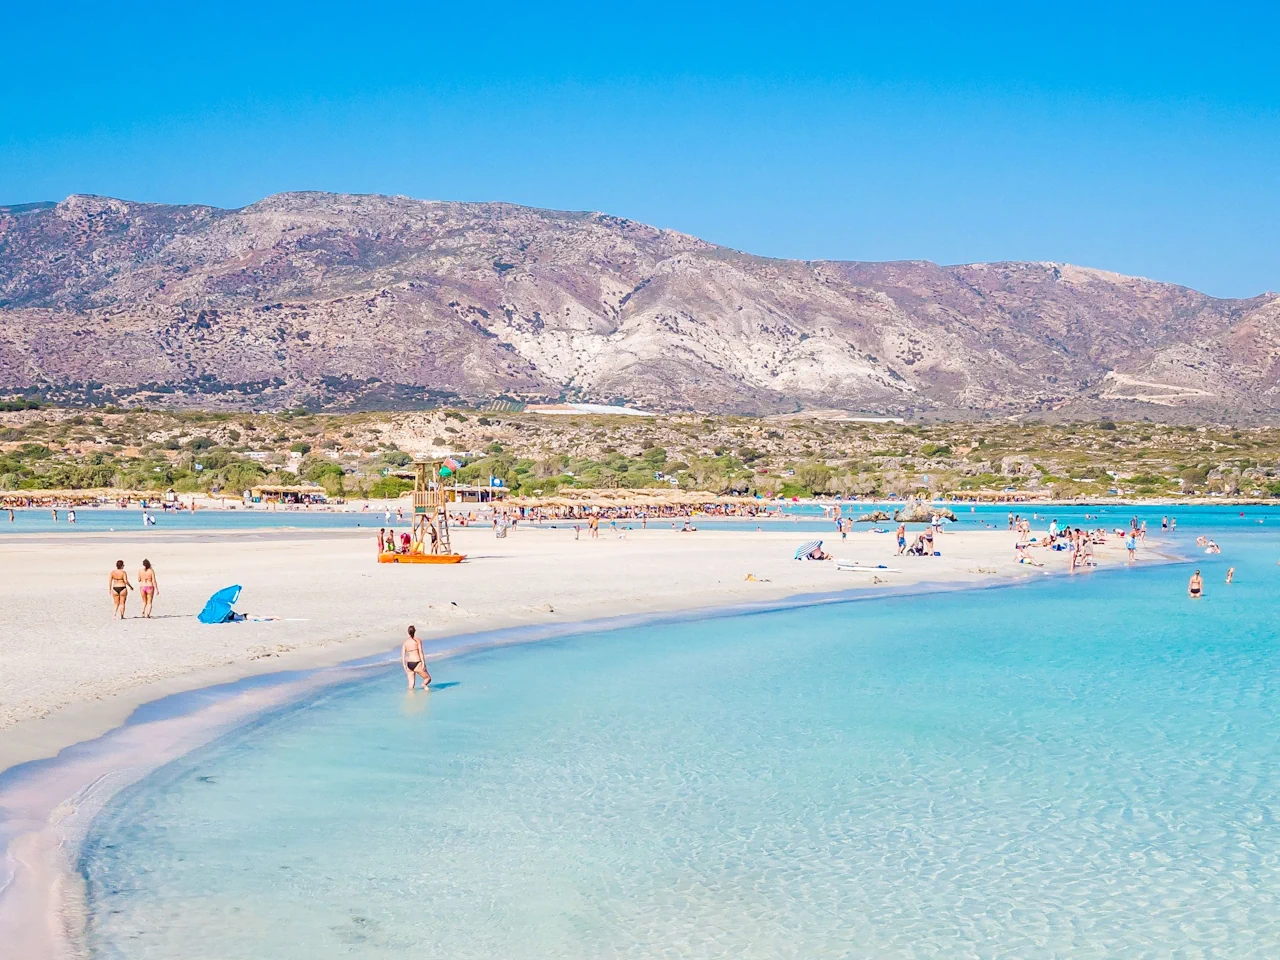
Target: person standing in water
1195, 587
119, 586
413, 660
148, 586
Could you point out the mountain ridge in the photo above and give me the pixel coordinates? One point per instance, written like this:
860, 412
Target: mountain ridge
348, 301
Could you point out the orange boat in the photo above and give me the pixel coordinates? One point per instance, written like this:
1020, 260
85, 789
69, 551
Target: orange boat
421, 557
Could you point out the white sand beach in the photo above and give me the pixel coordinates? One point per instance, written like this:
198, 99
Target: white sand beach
70, 672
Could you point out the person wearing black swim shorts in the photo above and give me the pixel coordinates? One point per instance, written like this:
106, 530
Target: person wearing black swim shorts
118, 586
413, 660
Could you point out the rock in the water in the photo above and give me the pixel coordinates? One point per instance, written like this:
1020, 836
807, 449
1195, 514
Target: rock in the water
921, 511
875, 516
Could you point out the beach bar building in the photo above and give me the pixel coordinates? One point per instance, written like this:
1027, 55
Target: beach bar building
302, 493
460, 492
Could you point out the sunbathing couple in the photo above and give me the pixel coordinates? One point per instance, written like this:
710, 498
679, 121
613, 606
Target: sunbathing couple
922, 546
118, 586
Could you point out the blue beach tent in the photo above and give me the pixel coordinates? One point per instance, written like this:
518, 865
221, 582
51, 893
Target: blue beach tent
217, 609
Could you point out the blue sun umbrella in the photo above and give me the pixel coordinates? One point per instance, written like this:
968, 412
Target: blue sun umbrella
217, 609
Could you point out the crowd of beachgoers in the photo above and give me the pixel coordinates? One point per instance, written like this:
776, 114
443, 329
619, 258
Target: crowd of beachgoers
648, 511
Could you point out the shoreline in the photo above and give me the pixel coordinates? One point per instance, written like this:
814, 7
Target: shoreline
57, 773
372, 508
50, 803
539, 576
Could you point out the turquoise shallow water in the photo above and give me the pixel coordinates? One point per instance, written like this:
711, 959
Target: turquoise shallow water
1074, 768
801, 517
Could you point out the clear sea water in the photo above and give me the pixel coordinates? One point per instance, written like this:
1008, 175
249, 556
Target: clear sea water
802, 518
1085, 767
110, 519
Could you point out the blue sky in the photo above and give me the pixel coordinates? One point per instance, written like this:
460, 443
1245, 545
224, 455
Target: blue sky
1141, 138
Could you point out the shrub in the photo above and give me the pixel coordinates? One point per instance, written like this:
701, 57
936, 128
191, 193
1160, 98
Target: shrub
790, 489
389, 488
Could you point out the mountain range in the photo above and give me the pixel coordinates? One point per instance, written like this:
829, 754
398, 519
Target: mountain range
357, 301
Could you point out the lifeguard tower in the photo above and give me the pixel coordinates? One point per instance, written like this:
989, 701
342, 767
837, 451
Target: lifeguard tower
430, 541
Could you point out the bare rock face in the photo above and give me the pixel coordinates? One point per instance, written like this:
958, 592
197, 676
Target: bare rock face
1018, 466
370, 301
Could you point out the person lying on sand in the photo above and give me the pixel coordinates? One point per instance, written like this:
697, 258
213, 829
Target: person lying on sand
413, 660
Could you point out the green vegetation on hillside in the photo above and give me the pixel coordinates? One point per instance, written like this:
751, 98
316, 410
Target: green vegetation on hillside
359, 454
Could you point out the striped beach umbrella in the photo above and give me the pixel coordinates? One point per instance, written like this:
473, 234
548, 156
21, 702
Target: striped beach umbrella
807, 549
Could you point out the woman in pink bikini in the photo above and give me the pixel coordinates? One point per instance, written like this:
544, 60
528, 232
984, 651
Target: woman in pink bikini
148, 586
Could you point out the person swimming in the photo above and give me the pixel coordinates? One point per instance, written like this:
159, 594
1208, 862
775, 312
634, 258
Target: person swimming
413, 660
119, 586
1195, 587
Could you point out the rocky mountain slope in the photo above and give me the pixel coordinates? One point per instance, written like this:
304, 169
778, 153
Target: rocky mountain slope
371, 301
